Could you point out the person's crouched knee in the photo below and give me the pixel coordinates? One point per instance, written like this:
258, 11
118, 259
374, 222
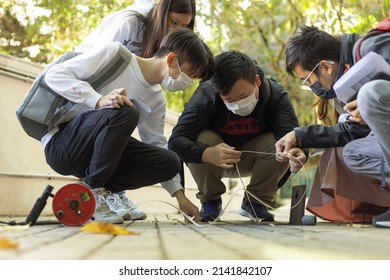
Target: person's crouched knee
371, 95
352, 158
128, 115
172, 164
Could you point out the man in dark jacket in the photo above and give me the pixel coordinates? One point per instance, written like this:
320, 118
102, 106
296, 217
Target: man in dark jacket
237, 111
320, 59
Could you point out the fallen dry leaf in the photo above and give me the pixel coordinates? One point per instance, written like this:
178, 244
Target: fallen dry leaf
106, 228
358, 225
16, 228
7, 244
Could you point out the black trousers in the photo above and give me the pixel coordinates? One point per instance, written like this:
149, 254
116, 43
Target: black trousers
97, 145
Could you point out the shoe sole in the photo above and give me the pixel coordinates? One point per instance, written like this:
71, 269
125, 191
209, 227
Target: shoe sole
246, 214
210, 220
143, 217
126, 217
118, 220
383, 224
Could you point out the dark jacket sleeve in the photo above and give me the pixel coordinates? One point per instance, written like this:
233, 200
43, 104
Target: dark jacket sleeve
281, 111
338, 135
194, 119
283, 118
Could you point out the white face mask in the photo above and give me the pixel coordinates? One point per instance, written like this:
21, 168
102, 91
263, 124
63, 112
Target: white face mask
182, 82
244, 106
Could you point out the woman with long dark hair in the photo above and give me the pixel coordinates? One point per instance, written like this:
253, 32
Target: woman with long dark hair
141, 26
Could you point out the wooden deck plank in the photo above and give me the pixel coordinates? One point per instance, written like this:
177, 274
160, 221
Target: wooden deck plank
188, 242
145, 246
290, 242
166, 237
260, 241
74, 247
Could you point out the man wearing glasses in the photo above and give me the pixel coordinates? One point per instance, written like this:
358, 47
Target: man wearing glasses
320, 59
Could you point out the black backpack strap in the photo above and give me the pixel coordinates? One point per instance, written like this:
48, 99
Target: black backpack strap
348, 42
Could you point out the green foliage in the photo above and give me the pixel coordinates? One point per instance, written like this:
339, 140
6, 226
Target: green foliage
44, 29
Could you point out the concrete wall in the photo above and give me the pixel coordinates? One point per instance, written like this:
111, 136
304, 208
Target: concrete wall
23, 169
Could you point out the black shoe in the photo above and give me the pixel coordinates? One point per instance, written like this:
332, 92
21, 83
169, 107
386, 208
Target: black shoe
260, 211
211, 210
382, 220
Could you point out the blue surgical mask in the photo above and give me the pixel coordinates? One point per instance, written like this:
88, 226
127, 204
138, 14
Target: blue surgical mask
322, 92
318, 88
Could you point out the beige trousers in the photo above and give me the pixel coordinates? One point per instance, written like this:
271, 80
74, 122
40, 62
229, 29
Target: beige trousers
264, 170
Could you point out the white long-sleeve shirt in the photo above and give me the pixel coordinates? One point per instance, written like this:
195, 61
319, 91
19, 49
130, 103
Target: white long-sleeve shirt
121, 26
69, 78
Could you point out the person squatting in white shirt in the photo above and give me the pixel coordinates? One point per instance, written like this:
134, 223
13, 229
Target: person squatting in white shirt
140, 27
94, 140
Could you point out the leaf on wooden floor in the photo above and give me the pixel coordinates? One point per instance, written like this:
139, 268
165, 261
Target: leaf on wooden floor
16, 228
107, 228
7, 244
358, 225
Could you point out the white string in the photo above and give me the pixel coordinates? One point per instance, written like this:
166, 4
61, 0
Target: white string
258, 199
191, 219
247, 193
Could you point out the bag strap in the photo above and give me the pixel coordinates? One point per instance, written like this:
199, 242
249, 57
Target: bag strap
58, 115
371, 33
382, 26
114, 69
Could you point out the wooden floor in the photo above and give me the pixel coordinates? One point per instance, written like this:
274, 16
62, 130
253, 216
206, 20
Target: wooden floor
166, 237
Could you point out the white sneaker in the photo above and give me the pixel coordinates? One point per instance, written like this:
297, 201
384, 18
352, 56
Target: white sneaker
115, 203
102, 211
135, 212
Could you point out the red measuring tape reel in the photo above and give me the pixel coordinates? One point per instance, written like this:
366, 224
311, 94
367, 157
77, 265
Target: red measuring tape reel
74, 204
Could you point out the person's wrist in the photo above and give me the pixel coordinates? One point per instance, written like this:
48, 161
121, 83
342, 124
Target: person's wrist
205, 154
179, 194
